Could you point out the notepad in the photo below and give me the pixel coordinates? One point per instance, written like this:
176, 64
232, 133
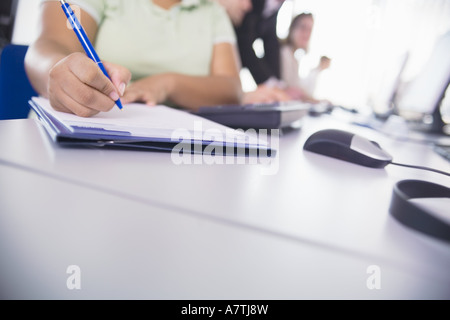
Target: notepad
144, 127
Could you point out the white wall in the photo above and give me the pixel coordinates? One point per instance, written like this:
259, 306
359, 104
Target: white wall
25, 29
363, 37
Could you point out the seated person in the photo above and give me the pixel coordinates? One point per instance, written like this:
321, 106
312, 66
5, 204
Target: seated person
260, 23
298, 38
310, 82
179, 52
245, 15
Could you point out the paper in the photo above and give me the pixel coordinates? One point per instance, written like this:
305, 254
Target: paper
155, 122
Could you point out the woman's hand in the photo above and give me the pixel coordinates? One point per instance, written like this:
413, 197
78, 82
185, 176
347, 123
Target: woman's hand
77, 85
151, 90
265, 94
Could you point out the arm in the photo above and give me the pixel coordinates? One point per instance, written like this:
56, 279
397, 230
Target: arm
221, 86
59, 69
262, 69
246, 35
289, 67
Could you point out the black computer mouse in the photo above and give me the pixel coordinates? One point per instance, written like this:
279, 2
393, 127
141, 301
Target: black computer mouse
349, 147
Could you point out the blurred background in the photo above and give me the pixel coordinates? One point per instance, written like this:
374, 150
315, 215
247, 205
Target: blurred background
365, 40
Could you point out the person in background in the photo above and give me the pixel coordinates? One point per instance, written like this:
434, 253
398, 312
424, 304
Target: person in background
298, 38
179, 52
252, 20
310, 82
260, 23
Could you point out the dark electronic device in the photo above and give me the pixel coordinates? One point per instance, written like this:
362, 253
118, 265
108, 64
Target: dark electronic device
257, 116
348, 147
353, 148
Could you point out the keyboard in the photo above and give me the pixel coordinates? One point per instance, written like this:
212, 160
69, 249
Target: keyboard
257, 116
443, 151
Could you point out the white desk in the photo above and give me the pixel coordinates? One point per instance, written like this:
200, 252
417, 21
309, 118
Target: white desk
314, 216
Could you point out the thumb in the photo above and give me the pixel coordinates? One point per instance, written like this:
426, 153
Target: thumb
120, 76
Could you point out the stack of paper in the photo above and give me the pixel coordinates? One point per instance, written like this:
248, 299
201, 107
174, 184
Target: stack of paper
141, 126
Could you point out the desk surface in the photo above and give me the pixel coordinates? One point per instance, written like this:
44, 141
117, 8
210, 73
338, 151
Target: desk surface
312, 211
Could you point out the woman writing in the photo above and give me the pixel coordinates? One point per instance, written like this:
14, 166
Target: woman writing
180, 52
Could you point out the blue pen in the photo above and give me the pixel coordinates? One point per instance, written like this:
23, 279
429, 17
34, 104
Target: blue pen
79, 31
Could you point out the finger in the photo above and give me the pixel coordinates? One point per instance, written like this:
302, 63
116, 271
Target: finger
269, 97
85, 95
65, 103
149, 99
141, 98
130, 96
120, 76
277, 95
150, 103
282, 96
89, 73
136, 95
58, 105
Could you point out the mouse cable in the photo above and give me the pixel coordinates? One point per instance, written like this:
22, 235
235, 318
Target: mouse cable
420, 168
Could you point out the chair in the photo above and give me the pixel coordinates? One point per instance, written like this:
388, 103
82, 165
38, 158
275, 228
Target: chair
15, 88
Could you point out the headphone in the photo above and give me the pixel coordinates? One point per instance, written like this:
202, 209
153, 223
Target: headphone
412, 215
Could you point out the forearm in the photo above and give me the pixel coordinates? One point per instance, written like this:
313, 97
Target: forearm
193, 92
55, 41
40, 58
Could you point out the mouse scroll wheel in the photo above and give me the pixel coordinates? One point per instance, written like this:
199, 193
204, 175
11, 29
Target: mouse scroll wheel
376, 144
